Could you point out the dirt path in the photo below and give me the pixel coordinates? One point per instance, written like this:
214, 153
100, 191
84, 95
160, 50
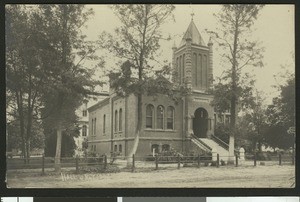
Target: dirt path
205, 177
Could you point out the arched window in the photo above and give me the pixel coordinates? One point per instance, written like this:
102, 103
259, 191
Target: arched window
155, 147
95, 126
116, 121
160, 117
183, 68
84, 130
116, 148
149, 116
179, 69
92, 128
194, 69
170, 118
120, 148
120, 120
204, 76
199, 72
104, 117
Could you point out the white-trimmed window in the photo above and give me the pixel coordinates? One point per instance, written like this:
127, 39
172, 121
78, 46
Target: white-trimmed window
149, 116
160, 117
170, 118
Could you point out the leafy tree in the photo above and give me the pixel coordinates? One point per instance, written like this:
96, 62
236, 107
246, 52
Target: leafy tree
24, 74
68, 145
69, 81
281, 116
136, 44
235, 23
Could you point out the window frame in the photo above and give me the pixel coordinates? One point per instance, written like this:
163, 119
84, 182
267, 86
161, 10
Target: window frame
172, 118
162, 118
148, 116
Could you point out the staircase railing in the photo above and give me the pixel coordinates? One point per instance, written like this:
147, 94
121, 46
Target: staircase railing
220, 142
223, 144
206, 147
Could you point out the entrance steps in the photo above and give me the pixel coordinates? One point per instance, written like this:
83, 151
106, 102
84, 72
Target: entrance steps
214, 146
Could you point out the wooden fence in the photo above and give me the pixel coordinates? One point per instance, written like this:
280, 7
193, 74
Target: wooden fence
75, 163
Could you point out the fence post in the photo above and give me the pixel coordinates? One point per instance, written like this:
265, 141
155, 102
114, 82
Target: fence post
133, 163
178, 159
105, 162
255, 159
43, 164
156, 162
218, 160
76, 164
198, 160
279, 159
236, 160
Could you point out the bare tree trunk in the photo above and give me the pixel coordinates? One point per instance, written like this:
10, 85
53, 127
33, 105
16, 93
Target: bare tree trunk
138, 130
58, 149
233, 95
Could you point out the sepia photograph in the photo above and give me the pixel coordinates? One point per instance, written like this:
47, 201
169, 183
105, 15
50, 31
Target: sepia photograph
150, 96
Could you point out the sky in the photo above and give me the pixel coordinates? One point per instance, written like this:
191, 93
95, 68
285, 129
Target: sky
274, 28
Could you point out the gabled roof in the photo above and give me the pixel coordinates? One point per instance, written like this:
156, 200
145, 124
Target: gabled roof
193, 33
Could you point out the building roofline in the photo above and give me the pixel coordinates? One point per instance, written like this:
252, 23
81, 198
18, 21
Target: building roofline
98, 104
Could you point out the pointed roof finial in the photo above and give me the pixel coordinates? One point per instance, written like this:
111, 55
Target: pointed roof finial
192, 14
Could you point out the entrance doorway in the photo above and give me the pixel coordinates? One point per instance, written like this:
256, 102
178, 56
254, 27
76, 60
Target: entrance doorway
200, 123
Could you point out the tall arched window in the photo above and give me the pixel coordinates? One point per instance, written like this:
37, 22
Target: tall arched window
104, 117
183, 68
84, 130
194, 70
92, 128
199, 73
116, 121
149, 116
120, 148
160, 117
120, 120
204, 76
95, 122
170, 118
180, 69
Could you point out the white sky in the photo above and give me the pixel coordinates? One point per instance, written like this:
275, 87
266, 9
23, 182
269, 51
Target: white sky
274, 28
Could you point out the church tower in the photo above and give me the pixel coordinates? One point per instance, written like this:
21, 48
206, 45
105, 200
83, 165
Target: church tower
192, 60
193, 67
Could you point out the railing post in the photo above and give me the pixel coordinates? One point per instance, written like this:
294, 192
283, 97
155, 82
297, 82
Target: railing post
105, 162
133, 163
198, 160
236, 160
255, 159
76, 164
218, 160
178, 160
156, 162
279, 159
43, 164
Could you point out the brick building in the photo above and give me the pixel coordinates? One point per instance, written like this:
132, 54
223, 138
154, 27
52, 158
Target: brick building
185, 126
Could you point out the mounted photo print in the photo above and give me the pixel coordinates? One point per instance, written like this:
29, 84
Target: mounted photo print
150, 96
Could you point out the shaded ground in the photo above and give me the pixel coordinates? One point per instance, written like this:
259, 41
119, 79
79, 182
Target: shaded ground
224, 177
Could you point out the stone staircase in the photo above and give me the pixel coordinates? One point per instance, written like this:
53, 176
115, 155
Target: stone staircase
215, 147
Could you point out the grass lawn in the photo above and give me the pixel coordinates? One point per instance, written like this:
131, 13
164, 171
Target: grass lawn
261, 176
